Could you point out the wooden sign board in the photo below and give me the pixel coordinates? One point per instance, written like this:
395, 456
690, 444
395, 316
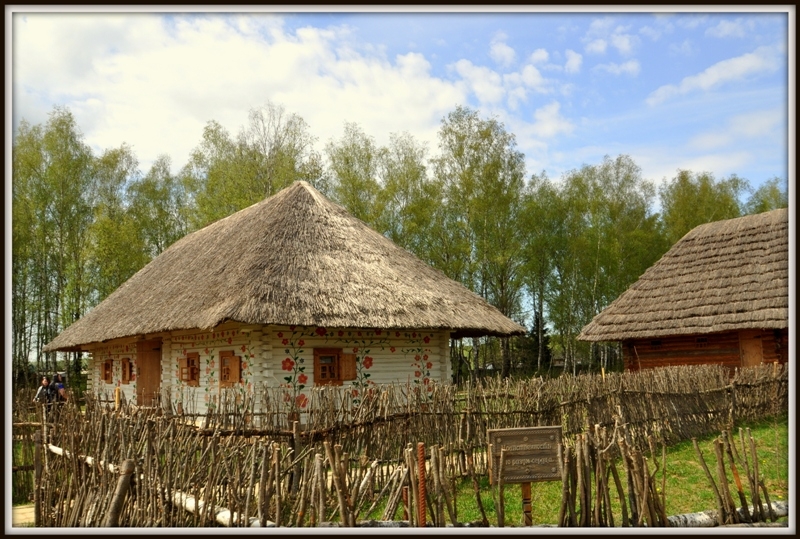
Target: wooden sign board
532, 454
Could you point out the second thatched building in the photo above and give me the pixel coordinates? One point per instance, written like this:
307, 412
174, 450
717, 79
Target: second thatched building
719, 295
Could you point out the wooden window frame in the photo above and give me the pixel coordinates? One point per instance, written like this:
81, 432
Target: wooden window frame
126, 372
344, 367
107, 371
230, 369
189, 369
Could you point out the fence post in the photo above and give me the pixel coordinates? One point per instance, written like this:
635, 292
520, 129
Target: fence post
422, 510
123, 483
37, 479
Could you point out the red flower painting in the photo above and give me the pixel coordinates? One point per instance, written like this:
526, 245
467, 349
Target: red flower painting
302, 379
287, 364
367, 362
301, 400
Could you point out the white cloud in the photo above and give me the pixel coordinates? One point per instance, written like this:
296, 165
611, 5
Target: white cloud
652, 33
602, 33
631, 67
154, 82
549, 122
691, 21
754, 125
762, 60
683, 48
486, 84
600, 27
728, 29
539, 56
574, 61
501, 53
597, 46
623, 43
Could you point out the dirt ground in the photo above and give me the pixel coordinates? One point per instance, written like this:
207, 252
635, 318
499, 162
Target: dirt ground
22, 515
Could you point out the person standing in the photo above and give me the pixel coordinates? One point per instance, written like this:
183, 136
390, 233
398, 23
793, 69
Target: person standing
60, 391
44, 395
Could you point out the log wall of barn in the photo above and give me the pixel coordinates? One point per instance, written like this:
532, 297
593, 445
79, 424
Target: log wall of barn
775, 345
720, 348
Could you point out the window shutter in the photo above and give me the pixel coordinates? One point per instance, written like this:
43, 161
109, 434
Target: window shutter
230, 369
189, 367
193, 369
183, 365
108, 370
126, 370
348, 367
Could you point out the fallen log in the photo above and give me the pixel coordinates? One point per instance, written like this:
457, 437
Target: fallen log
221, 514
113, 468
709, 519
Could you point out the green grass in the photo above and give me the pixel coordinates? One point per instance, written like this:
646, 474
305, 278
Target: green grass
687, 488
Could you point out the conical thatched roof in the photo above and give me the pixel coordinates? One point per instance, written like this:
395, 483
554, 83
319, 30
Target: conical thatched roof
294, 258
721, 276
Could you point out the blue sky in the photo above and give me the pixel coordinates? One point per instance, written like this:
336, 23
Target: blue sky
704, 91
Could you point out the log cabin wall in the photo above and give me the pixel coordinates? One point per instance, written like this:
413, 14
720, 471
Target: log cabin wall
721, 348
775, 345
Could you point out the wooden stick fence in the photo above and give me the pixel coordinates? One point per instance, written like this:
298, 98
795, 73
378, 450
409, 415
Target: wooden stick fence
243, 471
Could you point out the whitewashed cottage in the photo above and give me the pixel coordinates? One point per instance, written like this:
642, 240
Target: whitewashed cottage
292, 292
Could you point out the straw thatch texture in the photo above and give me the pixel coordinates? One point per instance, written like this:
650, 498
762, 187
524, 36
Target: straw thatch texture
295, 258
721, 276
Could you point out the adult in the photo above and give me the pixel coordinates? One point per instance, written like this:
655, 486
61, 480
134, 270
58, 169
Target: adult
59, 389
45, 393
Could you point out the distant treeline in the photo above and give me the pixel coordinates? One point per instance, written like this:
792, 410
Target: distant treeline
549, 253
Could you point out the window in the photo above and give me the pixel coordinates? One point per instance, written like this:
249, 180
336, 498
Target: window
701, 342
107, 371
332, 367
190, 369
230, 369
656, 344
125, 365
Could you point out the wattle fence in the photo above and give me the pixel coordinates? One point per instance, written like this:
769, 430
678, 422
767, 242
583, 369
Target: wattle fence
250, 463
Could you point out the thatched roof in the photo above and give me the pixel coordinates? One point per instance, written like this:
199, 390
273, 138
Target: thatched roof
295, 258
721, 276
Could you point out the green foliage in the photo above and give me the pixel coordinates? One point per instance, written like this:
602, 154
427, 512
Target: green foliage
225, 175
548, 253
354, 163
692, 199
52, 185
770, 196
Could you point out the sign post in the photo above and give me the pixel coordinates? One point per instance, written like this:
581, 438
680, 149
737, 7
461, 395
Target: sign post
531, 455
